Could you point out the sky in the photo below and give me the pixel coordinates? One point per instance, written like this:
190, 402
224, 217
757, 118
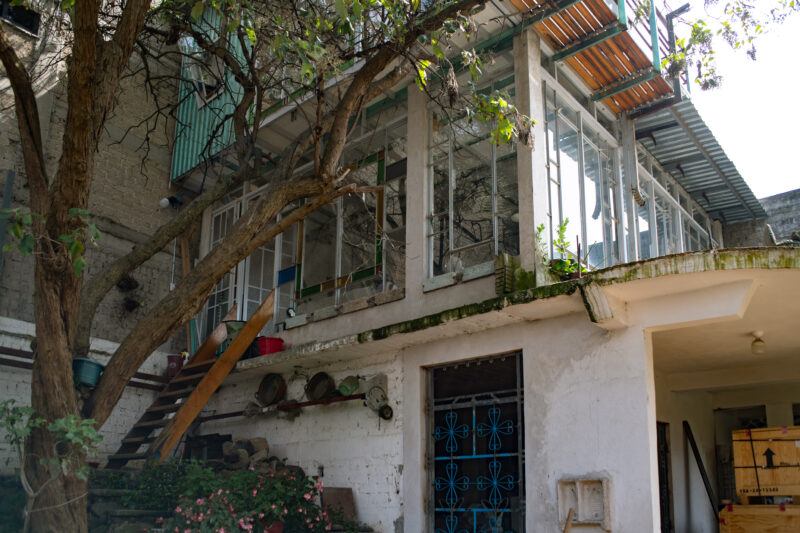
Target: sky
755, 114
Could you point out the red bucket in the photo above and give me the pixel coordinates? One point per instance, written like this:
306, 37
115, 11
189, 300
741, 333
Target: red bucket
268, 345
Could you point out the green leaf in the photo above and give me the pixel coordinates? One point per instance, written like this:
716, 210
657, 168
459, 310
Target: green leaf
78, 264
341, 9
198, 9
251, 35
26, 244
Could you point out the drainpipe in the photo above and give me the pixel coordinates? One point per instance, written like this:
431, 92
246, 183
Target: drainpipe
676, 82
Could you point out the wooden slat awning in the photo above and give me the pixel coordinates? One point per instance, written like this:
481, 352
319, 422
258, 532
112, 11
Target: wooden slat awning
616, 62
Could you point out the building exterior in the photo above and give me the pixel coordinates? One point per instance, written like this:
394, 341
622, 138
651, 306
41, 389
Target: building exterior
511, 406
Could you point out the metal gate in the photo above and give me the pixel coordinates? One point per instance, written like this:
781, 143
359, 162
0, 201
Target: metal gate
476, 447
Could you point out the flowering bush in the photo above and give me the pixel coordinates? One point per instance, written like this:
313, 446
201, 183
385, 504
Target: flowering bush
253, 501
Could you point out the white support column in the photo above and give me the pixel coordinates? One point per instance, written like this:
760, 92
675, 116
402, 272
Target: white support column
531, 161
416, 193
630, 179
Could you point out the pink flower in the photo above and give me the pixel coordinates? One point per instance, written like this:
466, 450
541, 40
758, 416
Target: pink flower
261, 515
200, 501
178, 509
274, 506
255, 492
318, 484
307, 496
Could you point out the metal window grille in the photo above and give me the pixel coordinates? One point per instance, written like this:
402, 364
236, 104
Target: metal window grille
476, 447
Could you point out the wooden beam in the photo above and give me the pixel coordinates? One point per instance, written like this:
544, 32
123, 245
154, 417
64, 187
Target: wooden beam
212, 342
589, 40
168, 439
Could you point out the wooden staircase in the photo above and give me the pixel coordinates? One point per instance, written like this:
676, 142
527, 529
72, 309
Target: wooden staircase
180, 402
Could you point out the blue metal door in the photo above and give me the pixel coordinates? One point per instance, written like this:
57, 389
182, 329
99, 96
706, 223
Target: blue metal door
476, 447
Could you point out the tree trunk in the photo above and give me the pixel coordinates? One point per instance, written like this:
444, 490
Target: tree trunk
61, 501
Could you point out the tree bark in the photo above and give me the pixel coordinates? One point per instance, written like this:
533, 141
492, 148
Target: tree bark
61, 504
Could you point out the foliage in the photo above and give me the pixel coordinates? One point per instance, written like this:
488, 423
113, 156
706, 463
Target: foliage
246, 500
19, 226
739, 24
157, 486
564, 266
73, 437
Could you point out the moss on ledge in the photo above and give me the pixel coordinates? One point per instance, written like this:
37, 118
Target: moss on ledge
458, 313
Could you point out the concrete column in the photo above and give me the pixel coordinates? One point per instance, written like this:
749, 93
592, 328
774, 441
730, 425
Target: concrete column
416, 192
630, 180
531, 161
594, 417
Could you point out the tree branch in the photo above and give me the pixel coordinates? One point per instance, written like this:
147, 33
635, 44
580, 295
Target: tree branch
27, 112
250, 232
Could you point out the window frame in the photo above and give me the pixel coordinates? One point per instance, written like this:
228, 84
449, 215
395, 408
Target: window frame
502, 80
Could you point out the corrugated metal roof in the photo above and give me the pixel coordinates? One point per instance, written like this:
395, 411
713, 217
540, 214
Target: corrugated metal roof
682, 142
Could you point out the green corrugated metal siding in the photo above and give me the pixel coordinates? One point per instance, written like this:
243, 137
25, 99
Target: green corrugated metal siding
196, 124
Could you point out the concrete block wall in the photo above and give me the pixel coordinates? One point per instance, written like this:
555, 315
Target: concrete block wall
784, 213
131, 175
346, 442
15, 384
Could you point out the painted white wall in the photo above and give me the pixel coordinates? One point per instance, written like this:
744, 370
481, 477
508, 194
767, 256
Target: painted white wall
692, 510
589, 406
15, 383
589, 410
354, 447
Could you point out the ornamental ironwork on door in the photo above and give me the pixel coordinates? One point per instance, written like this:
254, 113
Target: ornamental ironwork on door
476, 447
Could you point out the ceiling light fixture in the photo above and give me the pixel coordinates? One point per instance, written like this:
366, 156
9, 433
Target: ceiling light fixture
758, 346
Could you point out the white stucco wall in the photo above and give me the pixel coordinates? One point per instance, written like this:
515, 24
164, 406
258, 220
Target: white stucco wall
15, 383
350, 443
589, 413
692, 510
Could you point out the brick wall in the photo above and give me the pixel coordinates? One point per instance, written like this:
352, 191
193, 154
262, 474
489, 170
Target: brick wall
131, 176
15, 384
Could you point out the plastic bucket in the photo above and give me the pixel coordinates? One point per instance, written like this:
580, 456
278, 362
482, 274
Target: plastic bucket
86, 372
272, 345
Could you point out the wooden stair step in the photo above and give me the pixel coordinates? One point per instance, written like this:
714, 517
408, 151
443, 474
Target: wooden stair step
128, 456
168, 408
180, 393
138, 440
152, 423
198, 367
181, 379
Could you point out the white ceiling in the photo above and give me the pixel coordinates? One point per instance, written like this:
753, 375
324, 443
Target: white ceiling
774, 309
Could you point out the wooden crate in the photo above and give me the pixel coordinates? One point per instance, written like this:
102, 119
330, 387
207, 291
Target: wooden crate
777, 461
759, 519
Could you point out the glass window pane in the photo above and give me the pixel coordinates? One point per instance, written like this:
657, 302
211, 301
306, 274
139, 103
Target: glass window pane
507, 201
319, 257
394, 233
594, 251
472, 204
570, 184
